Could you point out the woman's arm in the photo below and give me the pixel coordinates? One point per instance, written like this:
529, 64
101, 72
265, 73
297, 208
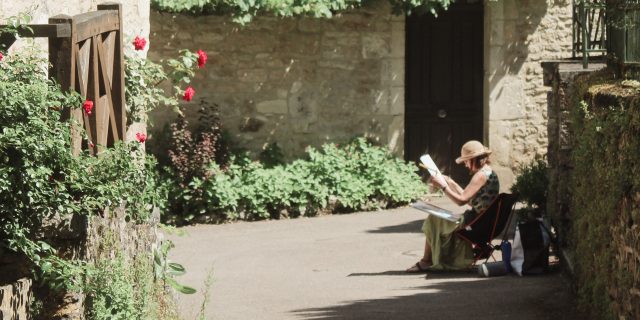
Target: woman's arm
462, 197
456, 187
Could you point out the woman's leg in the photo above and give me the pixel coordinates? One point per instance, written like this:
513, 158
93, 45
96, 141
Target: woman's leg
426, 258
423, 263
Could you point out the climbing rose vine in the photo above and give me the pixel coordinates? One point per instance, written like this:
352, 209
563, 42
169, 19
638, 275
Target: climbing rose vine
88, 106
188, 94
202, 58
141, 137
139, 43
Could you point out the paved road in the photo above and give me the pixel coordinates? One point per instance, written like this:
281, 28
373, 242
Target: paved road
347, 267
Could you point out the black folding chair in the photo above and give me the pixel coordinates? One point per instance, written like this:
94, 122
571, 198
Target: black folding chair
488, 225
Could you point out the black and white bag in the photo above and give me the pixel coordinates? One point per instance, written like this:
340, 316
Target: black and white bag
530, 249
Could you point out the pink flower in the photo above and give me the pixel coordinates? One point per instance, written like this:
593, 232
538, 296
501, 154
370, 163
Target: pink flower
205, 57
88, 107
139, 43
188, 94
141, 137
202, 58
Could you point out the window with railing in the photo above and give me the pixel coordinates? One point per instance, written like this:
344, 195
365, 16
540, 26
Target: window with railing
589, 29
606, 27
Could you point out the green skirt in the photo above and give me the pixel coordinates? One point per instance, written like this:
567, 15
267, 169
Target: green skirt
448, 251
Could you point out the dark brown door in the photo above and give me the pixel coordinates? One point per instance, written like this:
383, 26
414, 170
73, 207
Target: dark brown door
444, 85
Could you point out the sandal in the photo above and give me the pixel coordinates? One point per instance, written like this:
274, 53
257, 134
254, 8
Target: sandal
417, 268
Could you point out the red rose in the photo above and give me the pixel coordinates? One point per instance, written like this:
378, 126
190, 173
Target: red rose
141, 137
139, 43
188, 94
88, 107
202, 58
205, 58
91, 145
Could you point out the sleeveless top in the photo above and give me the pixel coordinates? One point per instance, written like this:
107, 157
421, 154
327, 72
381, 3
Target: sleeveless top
489, 192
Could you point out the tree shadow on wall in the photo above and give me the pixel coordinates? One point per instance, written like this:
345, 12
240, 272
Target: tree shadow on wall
517, 37
461, 296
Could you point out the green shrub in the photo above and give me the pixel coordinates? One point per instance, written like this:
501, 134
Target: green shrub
604, 189
41, 180
532, 183
271, 155
356, 176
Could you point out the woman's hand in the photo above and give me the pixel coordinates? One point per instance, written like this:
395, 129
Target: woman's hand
439, 181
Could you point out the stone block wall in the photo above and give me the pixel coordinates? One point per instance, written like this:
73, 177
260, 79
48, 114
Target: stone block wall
91, 239
305, 81
135, 19
519, 34
296, 81
14, 300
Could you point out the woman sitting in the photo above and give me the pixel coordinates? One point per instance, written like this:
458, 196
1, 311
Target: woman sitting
443, 250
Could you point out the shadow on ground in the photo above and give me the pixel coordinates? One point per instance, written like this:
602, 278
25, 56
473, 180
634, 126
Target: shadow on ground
409, 227
463, 296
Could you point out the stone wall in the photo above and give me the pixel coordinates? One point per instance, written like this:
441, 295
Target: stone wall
305, 81
135, 19
93, 239
519, 34
296, 81
14, 300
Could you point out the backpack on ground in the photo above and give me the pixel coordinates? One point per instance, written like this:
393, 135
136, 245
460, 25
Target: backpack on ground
530, 249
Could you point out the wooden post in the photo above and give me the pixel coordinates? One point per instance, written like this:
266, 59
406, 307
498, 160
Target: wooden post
63, 69
117, 81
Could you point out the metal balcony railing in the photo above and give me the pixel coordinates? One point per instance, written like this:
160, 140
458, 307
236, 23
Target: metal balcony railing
589, 29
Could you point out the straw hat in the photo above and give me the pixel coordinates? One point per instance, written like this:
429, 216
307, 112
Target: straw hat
472, 149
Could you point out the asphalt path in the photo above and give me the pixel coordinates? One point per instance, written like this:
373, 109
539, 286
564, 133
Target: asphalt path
347, 267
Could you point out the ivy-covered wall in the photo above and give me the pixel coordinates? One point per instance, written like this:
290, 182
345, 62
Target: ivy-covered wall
606, 199
594, 192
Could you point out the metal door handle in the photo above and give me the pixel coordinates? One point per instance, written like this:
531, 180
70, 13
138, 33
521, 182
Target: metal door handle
442, 113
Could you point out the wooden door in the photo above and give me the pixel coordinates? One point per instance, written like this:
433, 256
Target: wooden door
444, 71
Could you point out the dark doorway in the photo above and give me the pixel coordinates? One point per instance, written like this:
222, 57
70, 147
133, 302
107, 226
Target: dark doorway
444, 57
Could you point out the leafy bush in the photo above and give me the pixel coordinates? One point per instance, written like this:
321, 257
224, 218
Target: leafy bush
41, 180
356, 176
271, 155
191, 151
532, 183
132, 291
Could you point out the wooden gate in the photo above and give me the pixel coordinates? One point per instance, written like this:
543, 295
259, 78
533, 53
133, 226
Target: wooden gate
85, 55
444, 70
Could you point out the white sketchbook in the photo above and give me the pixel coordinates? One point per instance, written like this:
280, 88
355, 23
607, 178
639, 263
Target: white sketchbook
436, 211
428, 164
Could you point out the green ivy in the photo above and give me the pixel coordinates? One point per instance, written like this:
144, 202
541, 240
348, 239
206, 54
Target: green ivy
606, 159
243, 11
